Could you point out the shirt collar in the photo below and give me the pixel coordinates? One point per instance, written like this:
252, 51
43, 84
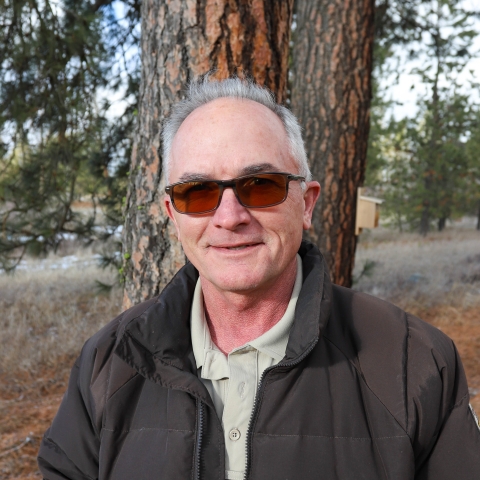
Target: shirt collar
272, 343
201, 339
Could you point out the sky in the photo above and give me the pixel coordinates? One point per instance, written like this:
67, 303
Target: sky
406, 97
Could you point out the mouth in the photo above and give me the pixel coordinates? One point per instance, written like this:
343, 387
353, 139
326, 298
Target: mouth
234, 248
240, 247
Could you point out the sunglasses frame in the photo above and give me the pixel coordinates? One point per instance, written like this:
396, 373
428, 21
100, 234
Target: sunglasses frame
232, 183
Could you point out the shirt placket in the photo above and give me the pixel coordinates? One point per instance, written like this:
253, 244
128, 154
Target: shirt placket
238, 406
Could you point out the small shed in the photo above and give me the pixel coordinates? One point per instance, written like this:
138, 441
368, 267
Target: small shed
368, 212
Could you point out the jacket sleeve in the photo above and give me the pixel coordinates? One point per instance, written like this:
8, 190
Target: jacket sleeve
444, 431
69, 449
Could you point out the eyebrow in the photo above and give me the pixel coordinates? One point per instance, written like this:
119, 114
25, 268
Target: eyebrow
194, 177
258, 167
249, 170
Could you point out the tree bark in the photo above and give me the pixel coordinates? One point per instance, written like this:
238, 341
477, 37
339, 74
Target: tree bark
432, 152
182, 39
425, 217
330, 94
478, 216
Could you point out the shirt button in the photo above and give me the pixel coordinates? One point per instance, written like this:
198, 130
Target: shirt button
234, 434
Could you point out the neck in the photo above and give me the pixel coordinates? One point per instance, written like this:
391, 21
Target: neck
237, 318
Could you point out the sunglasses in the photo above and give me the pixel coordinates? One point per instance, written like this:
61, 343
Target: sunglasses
260, 190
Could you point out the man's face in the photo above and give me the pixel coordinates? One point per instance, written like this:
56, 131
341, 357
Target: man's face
235, 248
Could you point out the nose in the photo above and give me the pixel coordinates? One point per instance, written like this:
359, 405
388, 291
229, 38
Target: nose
230, 213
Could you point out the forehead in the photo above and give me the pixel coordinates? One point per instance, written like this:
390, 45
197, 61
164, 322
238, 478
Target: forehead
224, 137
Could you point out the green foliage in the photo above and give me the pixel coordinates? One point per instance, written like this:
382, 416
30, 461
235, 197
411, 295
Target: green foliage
470, 197
395, 27
423, 167
58, 144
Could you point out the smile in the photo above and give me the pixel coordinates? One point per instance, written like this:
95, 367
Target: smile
241, 247
234, 248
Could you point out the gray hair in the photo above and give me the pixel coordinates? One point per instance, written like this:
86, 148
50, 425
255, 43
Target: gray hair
203, 91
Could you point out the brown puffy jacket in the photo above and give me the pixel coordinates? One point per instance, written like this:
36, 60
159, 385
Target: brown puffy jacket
365, 391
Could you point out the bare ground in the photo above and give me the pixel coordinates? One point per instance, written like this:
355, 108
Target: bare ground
49, 311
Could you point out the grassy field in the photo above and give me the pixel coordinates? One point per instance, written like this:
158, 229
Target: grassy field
48, 311
50, 308
416, 272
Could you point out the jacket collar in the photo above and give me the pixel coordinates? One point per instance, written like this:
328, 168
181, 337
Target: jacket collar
157, 342
313, 305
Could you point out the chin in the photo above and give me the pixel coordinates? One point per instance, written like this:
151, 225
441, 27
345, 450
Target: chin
236, 284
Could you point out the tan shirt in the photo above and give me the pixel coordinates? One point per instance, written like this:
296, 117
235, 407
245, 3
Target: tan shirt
232, 380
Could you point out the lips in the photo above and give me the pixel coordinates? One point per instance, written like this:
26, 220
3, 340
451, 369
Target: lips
240, 247
237, 247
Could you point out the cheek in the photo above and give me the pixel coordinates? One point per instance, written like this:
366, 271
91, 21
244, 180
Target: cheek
189, 232
175, 221
177, 231
296, 214
286, 225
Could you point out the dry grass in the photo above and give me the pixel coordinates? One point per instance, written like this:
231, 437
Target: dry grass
413, 272
48, 313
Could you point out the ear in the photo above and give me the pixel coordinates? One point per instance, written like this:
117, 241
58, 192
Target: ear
167, 202
310, 197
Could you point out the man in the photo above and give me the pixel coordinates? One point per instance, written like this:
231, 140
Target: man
250, 364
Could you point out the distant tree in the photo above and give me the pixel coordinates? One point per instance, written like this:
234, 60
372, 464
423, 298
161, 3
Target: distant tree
405, 152
424, 160
395, 29
393, 180
441, 159
471, 191
57, 143
179, 42
447, 34
331, 93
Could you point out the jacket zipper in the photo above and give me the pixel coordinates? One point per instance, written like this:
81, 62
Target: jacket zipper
253, 416
199, 441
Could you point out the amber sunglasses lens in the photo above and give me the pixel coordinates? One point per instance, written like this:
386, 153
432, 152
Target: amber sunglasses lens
262, 190
195, 197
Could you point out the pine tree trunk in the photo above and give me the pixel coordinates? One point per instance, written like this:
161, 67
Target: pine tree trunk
425, 219
478, 216
180, 40
331, 93
430, 202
